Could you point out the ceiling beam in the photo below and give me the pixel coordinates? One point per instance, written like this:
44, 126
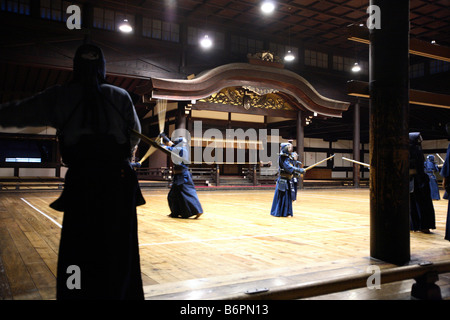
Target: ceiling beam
424, 98
416, 46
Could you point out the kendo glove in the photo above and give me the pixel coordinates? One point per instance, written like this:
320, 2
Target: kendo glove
164, 138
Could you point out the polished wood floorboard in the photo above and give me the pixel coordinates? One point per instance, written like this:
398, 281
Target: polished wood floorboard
236, 245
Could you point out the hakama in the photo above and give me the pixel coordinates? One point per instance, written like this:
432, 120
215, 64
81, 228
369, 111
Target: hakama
282, 199
182, 198
430, 168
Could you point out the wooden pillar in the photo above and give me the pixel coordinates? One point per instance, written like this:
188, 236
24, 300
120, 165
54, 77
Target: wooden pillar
300, 142
217, 175
57, 158
356, 144
389, 154
180, 118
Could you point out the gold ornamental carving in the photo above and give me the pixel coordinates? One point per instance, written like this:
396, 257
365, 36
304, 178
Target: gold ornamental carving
265, 56
248, 99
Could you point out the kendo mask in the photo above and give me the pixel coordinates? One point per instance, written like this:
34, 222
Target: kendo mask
181, 141
415, 138
285, 148
89, 63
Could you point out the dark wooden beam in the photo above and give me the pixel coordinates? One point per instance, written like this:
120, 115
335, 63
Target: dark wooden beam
424, 98
416, 46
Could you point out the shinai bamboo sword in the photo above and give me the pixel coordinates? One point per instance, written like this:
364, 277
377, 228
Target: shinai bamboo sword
152, 143
443, 161
354, 161
317, 163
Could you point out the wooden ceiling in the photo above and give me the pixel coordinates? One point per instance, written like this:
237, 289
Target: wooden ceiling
322, 22
32, 59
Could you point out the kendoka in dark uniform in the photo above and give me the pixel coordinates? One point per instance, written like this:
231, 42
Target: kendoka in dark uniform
430, 168
282, 199
296, 178
422, 217
445, 173
99, 238
182, 198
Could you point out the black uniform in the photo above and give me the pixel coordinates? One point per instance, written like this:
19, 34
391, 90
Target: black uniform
99, 233
422, 216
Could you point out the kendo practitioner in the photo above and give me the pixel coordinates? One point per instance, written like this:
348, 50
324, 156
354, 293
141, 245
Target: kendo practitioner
99, 239
422, 216
430, 168
182, 198
282, 199
445, 173
296, 178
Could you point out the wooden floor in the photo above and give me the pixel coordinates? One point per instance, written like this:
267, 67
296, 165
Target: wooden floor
234, 247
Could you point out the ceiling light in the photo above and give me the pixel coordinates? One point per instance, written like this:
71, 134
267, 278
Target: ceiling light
356, 67
289, 56
267, 7
206, 42
125, 26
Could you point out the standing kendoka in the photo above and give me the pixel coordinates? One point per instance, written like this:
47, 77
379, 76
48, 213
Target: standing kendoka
422, 214
296, 178
430, 168
282, 199
99, 234
445, 173
182, 197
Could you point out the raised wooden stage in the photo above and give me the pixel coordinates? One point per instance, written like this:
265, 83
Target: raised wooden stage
234, 247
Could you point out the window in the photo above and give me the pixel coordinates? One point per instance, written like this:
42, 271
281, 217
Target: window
26, 151
316, 59
55, 9
278, 49
255, 46
16, 6
437, 66
338, 63
22, 159
192, 36
417, 70
51, 9
157, 29
245, 45
109, 19
346, 64
170, 32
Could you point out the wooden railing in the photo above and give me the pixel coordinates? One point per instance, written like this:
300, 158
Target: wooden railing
165, 174
160, 174
425, 274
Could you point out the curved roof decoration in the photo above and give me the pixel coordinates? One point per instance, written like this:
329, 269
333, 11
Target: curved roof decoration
246, 75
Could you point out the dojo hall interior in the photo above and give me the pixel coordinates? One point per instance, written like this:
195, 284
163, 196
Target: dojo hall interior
243, 83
